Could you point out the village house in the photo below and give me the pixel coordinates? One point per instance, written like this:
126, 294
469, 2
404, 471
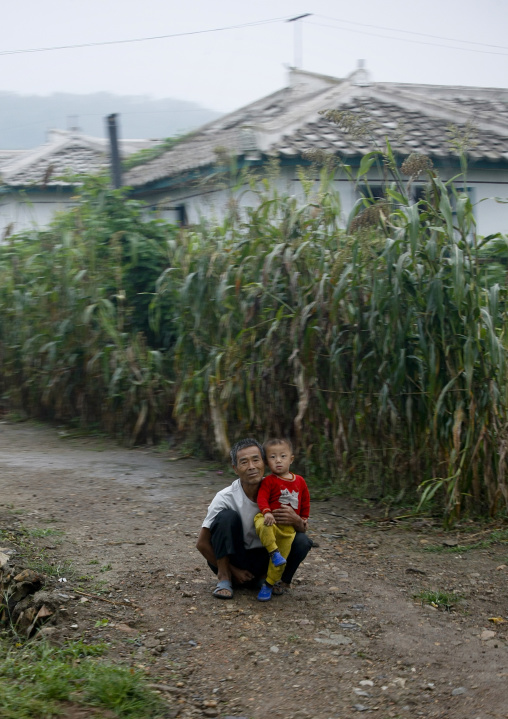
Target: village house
36, 183
192, 179
186, 183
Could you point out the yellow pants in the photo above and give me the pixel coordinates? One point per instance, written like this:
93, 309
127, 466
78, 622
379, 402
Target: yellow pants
277, 536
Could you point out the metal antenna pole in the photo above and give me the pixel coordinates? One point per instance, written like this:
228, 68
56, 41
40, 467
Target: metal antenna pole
297, 38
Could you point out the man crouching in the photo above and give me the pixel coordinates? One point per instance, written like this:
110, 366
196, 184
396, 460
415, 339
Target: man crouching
228, 539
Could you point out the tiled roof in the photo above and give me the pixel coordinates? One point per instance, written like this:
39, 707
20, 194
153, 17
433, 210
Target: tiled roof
407, 132
65, 153
8, 156
288, 123
200, 148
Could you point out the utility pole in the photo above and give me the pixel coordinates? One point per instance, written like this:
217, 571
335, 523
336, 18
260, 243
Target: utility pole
297, 38
116, 167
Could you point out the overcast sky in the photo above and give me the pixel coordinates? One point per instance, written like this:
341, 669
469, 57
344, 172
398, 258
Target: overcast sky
226, 69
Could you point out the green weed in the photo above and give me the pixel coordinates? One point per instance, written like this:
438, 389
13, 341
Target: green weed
438, 599
48, 532
99, 585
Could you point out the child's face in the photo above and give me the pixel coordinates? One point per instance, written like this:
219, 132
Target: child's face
279, 458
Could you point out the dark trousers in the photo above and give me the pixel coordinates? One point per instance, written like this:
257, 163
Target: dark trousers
227, 541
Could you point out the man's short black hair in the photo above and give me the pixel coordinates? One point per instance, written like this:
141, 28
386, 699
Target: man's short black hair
243, 444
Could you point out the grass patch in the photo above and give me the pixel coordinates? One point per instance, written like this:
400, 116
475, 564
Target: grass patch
123, 692
35, 678
100, 586
437, 599
59, 569
498, 536
48, 532
85, 578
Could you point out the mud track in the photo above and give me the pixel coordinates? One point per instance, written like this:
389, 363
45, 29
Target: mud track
348, 639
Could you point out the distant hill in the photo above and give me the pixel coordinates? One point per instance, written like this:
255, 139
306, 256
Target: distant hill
25, 119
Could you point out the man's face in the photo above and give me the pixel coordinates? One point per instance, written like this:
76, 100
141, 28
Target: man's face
250, 466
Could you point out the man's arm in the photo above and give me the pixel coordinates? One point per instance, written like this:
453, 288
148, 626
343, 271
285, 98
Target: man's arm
204, 545
287, 515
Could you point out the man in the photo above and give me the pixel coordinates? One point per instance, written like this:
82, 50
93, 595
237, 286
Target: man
228, 539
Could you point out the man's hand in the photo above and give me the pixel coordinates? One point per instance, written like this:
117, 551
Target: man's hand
287, 515
241, 575
269, 519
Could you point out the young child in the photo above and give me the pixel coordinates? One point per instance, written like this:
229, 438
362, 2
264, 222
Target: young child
279, 489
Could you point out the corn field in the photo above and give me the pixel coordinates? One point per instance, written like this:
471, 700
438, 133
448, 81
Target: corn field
378, 348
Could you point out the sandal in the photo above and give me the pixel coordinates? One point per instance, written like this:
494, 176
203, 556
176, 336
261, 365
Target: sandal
278, 589
224, 584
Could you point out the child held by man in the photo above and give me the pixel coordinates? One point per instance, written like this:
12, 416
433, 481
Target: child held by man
278, 489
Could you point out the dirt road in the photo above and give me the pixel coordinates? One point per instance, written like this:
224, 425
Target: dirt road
348, 639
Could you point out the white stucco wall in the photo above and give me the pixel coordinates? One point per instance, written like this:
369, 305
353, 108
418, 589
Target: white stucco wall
491, 216
21, 211
209, 203
483, 186
213, 203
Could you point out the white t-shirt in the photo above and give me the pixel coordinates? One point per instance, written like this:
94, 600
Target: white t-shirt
233, 497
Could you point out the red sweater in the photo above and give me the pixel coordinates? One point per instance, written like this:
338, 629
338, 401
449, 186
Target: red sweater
276, 492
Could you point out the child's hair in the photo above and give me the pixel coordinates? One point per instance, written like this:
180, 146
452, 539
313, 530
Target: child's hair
276, 440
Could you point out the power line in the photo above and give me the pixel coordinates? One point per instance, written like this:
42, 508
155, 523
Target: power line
141, 39
404, 39
413, 32
282, 19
